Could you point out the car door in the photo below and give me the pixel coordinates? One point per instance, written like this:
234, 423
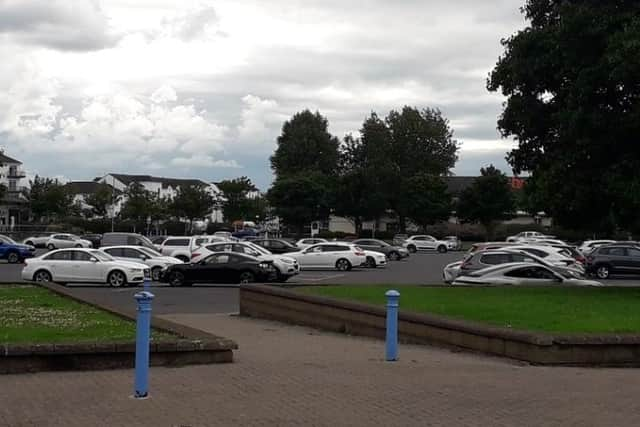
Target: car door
619, 260
311, 257
213, 269
634, 260
84, 269
367, 245
117, 253
59, 263
134, 255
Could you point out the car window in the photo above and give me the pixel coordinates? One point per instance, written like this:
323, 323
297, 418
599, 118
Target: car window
158, 240
80, 256
617, 251
218, 259
335, 248
199, 241
59, 256
276, 244
220, 247
537, 252
177, 242
494, 259
421, 238
131, 253
633, 252
244, 249
531, 273
521, 258
315, 249
114, 252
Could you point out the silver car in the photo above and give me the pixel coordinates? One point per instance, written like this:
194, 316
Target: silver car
520, 274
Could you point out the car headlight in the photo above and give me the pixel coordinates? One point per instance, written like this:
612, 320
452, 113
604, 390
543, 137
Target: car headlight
265, 265
288, 261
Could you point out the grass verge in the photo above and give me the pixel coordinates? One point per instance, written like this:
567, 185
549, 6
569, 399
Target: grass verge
30, 314
558, 310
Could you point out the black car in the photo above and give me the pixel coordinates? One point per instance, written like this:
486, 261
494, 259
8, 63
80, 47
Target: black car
614, 259
95, 239
276, 246
220, 267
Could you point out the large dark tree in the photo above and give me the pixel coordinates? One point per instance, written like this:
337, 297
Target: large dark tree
572, 82
48, 198
305, 145
236, 204
488, 200
427, 200
101, 199
193, 202
139, 203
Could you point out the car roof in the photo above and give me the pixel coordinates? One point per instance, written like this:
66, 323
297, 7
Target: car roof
233, 253
506, 267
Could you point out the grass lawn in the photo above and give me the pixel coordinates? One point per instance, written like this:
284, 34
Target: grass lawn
30, 314
560, 310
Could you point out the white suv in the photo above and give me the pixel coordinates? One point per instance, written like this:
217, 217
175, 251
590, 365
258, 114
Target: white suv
341, 256
285, 266
182, 247
425, 242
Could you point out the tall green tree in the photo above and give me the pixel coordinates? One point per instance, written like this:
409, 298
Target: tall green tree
427, 200
236, 204
488, 200
305, 145
572, 83
48, 198
101, 199
140, 203
193, 202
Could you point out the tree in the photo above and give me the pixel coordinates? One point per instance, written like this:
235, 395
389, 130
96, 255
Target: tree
427, 200
305, 145
48, 198
236, 204
572, 82
192, 202
139, 203
488, 200
301, 199
100, 200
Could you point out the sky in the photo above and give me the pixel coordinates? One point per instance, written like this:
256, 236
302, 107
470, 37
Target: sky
201, 88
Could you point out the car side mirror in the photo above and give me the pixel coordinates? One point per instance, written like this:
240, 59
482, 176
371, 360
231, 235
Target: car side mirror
94, 260
143, 257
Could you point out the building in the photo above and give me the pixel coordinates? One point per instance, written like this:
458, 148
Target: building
82, 190
14, 206
161, 186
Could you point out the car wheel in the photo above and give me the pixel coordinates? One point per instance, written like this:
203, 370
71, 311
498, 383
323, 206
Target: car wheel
412, 249
246, 277
371, 263
603, 272
176, 279
29, 242
78, 245
117, 279
394, 256
42, 276
343, 264
13, 258
50, 246
442, 249
155, 273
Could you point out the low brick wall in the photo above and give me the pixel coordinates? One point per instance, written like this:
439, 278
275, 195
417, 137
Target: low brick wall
191, 346
362, 319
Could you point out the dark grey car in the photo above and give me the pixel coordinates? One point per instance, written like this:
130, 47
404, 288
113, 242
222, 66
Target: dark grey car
484, 259
614, 259
392, 252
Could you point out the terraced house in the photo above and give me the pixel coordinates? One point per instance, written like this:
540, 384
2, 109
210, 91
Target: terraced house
14, 204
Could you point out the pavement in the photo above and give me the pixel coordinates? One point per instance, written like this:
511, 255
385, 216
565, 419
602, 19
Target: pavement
293, 376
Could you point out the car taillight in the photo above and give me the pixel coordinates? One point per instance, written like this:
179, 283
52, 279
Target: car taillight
196, 255
590, 259
359, 253
581, 259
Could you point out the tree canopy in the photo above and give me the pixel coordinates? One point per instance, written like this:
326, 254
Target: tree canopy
48, 198
236, 204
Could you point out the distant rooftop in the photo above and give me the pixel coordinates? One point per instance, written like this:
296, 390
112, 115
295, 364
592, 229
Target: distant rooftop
87, 187
6, 159
166, 182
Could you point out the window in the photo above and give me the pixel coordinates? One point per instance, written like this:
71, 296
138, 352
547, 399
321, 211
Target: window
219, 248
115, 252
494, 259
200, 241
617, 251
274, 244
245, 250
603, 251
335, 248
177, 242
80, 256
365, 242
633, 252
218, 259
59, 256
420, 238
532, 273
131, 253
521, 258
537, 252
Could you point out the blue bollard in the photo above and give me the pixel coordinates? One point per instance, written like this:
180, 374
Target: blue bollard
143, 332
147, 283
393, 298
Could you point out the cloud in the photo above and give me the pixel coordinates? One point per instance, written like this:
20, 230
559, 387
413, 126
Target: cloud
196, 161
72, 25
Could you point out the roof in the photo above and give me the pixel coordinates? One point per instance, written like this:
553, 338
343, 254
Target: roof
166, 182
87, 187
6, 159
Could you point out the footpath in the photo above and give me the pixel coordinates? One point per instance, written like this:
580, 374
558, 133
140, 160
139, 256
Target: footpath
294, 376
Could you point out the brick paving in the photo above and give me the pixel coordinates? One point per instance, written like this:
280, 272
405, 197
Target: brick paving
295, 376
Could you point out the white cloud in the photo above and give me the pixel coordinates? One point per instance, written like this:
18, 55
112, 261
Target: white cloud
199, 161
261, 120
165, 93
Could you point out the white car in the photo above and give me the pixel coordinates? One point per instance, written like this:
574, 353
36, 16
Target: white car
451, 271
520, 274
589, 245
305, 243
152, 259
548, 253
528, 235
425, 242
338, 255
182, 247
66, 240
38, 241
285, 266
83, 266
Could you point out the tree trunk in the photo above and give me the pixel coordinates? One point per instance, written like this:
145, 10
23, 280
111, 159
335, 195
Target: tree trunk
357, 221
402, 223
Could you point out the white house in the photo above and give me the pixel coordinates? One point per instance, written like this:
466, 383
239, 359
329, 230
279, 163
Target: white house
161, 186
81, 190
14, 204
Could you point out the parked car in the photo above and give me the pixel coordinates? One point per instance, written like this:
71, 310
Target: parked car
222, 267
157, 241
589, 245
305, 243
521, 274
424, 242
182, 247
285, 266
153, 259
392, 252
483, 259
65, 240
456, 240
399, 239
606, 260
38, 240
276, 246
14, 252
126, 239
485, 246
83, 266
95, 239
341, 256
529, 235
548, 253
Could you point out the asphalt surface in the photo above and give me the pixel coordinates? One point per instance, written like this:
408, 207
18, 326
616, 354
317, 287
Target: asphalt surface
419, 269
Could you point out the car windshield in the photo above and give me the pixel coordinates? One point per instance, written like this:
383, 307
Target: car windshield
149, 252
258, 249
102, 256
146, 242
8, 240
74, 237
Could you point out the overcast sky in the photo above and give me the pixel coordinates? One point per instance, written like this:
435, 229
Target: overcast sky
201, 88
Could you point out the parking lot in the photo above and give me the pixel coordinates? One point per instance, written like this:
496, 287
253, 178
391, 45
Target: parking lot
419, 269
